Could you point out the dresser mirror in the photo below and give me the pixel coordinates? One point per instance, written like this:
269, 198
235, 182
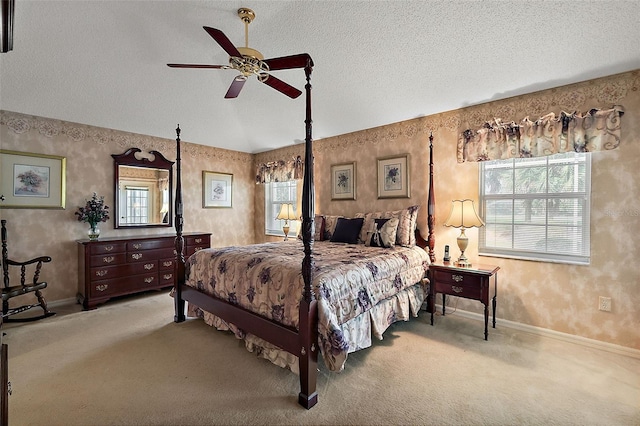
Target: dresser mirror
143, 190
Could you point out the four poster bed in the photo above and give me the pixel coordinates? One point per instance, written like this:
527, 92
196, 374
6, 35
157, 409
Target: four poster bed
289, 300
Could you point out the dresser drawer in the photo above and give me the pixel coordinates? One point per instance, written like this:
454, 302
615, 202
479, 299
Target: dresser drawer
189, 250
107, 272
114, 287
102, 248
108, 259
167, 264
468, 291
166, 278
144, 255
199, 240
150, 244
457, 278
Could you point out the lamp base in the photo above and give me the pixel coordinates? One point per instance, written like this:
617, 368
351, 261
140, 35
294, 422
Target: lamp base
285, 229
463, 242
462, 263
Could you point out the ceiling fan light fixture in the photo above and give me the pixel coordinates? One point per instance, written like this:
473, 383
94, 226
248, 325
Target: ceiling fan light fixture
248, 65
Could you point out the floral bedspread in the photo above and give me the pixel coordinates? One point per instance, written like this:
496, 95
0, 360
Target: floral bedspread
348, 281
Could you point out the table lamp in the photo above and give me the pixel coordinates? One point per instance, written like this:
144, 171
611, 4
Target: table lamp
463, 215
287, 213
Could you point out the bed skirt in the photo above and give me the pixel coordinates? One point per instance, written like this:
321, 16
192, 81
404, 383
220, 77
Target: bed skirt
357, 332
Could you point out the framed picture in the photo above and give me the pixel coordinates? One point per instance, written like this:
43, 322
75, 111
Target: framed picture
343, 181
32, 181
393, 177
217, 189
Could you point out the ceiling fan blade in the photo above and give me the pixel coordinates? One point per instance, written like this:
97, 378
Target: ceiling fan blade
235, 88
281, 86
223, 41
197, 66
288, 62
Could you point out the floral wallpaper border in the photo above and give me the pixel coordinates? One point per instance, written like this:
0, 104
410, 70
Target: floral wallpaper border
51, 128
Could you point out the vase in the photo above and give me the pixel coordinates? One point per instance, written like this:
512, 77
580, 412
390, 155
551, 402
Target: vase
93, 232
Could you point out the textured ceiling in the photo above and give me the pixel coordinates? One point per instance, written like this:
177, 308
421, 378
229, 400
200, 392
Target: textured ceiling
103, 63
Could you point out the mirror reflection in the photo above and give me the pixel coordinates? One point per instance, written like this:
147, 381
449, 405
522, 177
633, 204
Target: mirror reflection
142, 190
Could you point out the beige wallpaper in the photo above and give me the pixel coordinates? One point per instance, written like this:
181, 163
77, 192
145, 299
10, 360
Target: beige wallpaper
35, 232
559, 297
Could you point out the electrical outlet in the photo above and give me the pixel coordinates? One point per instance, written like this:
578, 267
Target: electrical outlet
604, 304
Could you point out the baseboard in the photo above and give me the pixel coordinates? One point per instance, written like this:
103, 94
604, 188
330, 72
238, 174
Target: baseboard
571, 338
62, 302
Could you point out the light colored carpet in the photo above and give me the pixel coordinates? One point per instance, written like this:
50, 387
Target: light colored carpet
128, 363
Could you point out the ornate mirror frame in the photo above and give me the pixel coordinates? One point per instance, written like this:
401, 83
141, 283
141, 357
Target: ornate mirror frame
146, 175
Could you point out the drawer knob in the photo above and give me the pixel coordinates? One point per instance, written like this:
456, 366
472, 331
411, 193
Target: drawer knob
137, 246
167, 263
457, 278
198, 240
148, 266
101, 273
108, 259
108, 248
456, 289
102, 287
167, 276
198, 248
148, 280
137, 256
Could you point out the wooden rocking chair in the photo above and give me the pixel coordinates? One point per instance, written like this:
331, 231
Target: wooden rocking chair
9, 291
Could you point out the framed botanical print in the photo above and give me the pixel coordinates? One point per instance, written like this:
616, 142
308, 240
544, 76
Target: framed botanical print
393, 177
343, 181
32, 181
217, 189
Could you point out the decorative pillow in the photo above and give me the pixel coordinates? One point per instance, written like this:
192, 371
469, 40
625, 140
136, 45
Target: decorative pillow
407, 225
347, 230
330, 226
318, 222
368, 225
384, 234
405, 235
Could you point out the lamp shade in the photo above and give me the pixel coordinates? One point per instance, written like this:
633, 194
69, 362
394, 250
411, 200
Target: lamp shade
463, 215
286, 212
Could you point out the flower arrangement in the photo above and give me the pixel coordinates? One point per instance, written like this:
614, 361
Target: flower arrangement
94, 211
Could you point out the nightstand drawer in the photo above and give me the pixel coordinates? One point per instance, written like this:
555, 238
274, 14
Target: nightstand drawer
457, 278
468, 291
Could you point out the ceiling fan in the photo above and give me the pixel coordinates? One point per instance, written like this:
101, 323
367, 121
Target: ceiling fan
250, 62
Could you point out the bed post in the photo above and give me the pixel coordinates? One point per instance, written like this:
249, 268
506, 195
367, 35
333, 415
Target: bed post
431, 205
308, 323
180, 279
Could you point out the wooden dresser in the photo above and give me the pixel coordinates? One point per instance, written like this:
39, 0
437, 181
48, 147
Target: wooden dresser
119, 266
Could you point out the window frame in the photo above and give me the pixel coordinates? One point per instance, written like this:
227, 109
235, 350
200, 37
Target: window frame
583, 197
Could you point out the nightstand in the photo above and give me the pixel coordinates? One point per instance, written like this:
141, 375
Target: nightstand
470, 283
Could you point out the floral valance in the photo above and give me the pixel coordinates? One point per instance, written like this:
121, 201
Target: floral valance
280, 171
597, 130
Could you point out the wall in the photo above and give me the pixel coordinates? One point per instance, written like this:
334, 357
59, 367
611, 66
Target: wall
553, 296
559, 297
35, 232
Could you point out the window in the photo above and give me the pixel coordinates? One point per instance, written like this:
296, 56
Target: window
537, 208
275, 194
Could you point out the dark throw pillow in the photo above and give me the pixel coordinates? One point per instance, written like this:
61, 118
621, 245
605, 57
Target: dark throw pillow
347, 230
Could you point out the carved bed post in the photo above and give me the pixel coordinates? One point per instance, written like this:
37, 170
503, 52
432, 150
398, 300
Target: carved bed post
308, 332
180, 279
431, 206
